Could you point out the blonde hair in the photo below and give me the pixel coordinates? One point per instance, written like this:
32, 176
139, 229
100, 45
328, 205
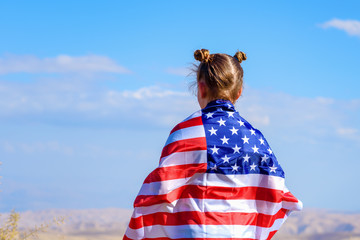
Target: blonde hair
222, 73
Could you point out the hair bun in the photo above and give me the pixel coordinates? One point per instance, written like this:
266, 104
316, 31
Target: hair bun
202, 55
240, 56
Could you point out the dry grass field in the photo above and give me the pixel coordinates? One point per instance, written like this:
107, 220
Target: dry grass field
110, 224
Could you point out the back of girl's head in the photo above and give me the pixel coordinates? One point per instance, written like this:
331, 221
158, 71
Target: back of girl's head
222, 73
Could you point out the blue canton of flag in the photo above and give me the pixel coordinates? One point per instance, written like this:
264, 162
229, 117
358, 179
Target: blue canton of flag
234, 146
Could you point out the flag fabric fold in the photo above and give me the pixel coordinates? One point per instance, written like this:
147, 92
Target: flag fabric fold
217, 179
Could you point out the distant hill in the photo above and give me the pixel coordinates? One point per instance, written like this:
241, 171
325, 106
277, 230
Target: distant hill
316, 224
110, 224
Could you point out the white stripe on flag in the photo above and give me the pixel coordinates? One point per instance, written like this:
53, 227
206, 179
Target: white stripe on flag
181, 158
204, 231
214, 205
186, 133
194, 115
214, 180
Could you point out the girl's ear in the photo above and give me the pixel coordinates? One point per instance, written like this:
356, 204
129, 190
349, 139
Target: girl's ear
202, 89
239, 94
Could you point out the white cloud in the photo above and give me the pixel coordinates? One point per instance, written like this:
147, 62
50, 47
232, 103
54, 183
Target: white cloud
259, 120
323, 100
349, 133
181, 71
36, 147
346, 131
294, 119
150, 92
59, 64
69, 101
57, 101
8, 147
351, 27
47, 146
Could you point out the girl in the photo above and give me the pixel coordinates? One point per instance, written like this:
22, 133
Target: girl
217, 177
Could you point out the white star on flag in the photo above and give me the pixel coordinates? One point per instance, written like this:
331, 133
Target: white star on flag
224, 140
226, 159
221, 122
209, 115
241, 123
246, 158
245, 139
269, 150
264, 158
215, 150
235, 168
255, 149
236, 149
252, 131
273, 168
253, 166
214, 168
212, 131
261, 141
231, 114
234, 131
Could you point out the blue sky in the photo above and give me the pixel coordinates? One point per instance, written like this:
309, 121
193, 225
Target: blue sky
90, 91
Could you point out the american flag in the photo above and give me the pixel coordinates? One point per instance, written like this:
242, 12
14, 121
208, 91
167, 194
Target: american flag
217, 179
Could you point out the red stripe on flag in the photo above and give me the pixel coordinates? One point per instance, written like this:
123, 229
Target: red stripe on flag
271, 234
206, 218
207, 192
189, 123
289, 197
175, 172
191, 144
